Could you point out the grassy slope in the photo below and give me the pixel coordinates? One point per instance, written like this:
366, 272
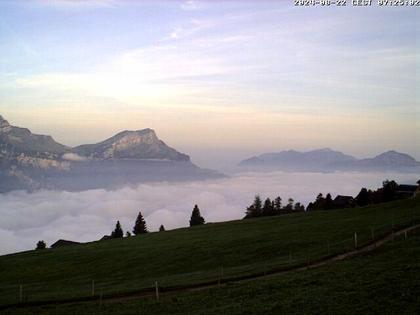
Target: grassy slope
386, 281
193, 255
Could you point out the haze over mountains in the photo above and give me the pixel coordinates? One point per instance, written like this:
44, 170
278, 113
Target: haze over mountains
327, 160
29, 161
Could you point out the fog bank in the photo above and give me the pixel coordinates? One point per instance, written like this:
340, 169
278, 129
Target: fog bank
26, 218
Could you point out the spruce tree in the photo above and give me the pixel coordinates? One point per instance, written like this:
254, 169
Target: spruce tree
250, 212
310, 207
299, 207
277, 205
329, 204
118, 232
389, 190
319, 202
41, 245
289, 206
257, 205
196, 218
255, 210
363, 198
162, 228
267, 208
140, 225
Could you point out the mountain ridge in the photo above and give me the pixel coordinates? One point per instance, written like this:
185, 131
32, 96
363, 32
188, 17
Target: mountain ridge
21, 140
330, 160
143, 144
30, 161
125, 144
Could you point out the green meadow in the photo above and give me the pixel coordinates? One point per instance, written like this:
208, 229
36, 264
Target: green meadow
213, 252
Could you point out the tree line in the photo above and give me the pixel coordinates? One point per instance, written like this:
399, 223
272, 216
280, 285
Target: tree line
388, 192
272, 207
140, 226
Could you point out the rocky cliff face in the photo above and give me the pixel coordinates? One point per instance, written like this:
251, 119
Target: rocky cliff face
16, 141
4, 124
140, 144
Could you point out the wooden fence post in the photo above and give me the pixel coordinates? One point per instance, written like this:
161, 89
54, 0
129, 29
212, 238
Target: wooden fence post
355, 240
219, 281
157, 290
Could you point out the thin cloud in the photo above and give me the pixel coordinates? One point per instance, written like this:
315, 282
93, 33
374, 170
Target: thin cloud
78, 4
191, 5
234, 55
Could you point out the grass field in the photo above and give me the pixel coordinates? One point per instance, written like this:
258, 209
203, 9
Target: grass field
385, 281
194, 255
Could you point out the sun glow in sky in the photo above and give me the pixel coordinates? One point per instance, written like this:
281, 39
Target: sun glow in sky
215, 79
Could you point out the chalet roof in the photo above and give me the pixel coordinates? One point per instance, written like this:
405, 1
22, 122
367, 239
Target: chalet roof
343, 198
61, 243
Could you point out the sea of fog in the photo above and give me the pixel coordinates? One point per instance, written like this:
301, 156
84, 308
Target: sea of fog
84, 216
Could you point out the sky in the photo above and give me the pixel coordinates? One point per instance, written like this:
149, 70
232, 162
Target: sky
219, 80
86, 216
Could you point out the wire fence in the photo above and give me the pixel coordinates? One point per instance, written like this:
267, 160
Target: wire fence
287, 259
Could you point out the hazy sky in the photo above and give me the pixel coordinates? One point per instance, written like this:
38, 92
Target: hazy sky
219, 80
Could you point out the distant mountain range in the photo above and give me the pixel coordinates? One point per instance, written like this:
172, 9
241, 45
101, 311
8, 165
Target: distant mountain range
327, 160
29, 161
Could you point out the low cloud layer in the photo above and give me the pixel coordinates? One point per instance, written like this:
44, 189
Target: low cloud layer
26, 218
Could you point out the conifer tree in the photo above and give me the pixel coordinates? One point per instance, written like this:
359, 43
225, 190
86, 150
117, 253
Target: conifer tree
162, 228
277, 204
299, 207
258, 205
140, 225
255, 210
41, 245
319, 202
250, 212
329, 204
267, 208
196, 218
289, 206
118, 232
389, 190
310, 207
363, 198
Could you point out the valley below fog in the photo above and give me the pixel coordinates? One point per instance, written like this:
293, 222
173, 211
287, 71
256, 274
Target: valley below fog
89, 215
